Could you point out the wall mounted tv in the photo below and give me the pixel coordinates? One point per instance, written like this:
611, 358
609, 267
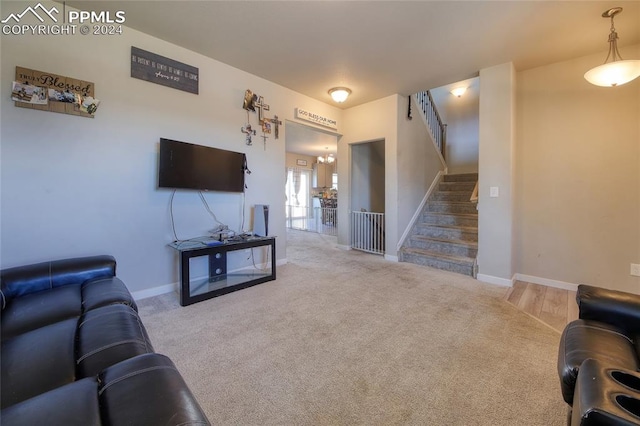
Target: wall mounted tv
187, 166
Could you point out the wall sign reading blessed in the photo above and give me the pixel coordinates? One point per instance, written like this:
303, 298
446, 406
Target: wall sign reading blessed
160, 70
57, 93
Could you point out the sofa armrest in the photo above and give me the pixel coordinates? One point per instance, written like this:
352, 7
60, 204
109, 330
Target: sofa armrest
147, 390
27, 279
612, 307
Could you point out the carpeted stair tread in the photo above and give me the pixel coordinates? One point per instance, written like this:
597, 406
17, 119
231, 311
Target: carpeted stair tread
448, 202
446, 234
467, 261
462, 177
466, 243
461, 228
463, 215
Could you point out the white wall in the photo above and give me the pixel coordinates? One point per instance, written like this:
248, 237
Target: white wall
367, 177
366, 123
496, 163
73, 186
461, 115
578, 176
418, 163
411, 162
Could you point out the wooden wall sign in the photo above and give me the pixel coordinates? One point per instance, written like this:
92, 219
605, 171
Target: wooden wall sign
303, 114
160, 70
61, 85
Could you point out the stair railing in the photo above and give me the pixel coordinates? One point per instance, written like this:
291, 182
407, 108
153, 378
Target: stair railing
437, 128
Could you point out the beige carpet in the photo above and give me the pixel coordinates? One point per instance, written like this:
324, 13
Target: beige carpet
347, 338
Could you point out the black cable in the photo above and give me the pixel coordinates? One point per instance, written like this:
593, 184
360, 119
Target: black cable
244, 196
206, 205
254, 261
173, 225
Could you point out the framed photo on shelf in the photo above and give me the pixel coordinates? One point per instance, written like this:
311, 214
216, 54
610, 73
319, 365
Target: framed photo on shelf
301, 162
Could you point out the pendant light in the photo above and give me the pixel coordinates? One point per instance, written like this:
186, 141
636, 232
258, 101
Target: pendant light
617, 71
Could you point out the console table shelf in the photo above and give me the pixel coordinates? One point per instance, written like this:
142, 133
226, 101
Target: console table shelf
220, 281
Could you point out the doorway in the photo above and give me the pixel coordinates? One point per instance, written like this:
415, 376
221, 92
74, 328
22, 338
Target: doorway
368, 197
311, 179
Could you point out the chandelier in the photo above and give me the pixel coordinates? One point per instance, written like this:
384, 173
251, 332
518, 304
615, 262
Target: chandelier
617, 71
327, 158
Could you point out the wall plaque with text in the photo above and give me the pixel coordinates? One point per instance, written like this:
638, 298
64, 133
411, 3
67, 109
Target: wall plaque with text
160, 70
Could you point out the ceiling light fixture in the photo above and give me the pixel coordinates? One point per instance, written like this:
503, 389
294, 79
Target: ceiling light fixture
327, 158
618, 71
458, 91
340, 94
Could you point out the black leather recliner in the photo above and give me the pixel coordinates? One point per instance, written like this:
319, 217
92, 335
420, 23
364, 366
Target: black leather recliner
74, 351
598, 358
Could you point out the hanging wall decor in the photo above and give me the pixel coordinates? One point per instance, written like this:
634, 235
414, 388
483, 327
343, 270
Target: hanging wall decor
247, 130
51, 92
276, 125
255, 103
157, 69
249, 100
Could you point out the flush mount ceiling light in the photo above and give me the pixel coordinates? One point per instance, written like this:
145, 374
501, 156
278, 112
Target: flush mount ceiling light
458, 91
617, 71
340, 94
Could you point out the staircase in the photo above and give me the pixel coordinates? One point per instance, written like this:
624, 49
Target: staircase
446, 234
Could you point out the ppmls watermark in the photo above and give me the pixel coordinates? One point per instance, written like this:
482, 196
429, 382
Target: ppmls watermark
75, 21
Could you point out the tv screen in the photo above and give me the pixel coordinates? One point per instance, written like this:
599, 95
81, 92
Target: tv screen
187, 166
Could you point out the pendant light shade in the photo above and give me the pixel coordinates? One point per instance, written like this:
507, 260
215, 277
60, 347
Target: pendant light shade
614, 73
617, 71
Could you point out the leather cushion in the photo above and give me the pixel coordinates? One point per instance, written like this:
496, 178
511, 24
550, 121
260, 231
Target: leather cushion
105, 291
108, 335
149, 390
583, 339
46, 307
38, 361
22, 280
39, 309
613, 307
75, 404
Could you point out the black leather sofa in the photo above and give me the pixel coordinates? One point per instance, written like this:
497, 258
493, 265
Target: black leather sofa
75, 352
598, 359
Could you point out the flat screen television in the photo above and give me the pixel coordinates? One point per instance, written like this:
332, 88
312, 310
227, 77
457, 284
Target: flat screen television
184, 165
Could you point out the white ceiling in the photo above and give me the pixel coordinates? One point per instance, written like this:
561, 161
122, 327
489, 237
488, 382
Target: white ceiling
378, 48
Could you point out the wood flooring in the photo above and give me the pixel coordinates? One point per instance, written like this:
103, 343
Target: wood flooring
553, 306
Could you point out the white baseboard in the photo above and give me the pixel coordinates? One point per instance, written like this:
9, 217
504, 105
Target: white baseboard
154, 291
343, 247
280, 262
546, 282
391, 258
490, 279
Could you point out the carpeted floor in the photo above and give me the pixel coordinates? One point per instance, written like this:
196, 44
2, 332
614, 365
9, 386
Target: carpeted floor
347, 338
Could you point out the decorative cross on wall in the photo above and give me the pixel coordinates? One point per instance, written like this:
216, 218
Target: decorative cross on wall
276, 123
260, 106
264, 138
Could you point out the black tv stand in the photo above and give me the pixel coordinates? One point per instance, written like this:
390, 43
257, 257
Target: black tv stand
220, 281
